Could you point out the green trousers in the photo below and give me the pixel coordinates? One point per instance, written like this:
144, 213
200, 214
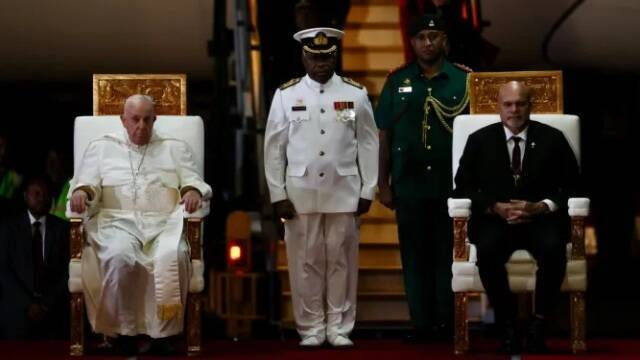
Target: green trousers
425, 234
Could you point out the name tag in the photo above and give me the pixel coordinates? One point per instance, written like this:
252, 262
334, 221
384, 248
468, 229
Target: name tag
405, 89
298, 108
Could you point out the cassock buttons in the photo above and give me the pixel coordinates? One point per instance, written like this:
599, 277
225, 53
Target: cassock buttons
429, 168
321, 153
322, 111
321, 174
321, 131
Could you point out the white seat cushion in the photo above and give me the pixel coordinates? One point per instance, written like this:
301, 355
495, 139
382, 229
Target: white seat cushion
522, 273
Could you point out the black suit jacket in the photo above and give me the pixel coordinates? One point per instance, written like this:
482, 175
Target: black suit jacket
549, 168
17, 272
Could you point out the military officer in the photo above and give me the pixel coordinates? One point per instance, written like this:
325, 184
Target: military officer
321, 164
415, 114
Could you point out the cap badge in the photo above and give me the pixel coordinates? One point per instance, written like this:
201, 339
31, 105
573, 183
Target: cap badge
320, 39
431, 23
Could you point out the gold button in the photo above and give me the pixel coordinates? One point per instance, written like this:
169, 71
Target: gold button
428, 127
428, 147
429, 168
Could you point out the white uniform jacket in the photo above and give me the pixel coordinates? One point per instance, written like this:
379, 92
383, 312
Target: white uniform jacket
321, 145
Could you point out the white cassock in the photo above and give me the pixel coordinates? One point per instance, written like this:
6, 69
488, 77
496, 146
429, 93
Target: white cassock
135, 265
321, 152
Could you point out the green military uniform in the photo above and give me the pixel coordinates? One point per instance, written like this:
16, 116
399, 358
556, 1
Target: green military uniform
417, 114
9, 184
59, 204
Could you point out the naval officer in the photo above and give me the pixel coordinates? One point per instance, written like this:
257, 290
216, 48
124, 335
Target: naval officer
321, 164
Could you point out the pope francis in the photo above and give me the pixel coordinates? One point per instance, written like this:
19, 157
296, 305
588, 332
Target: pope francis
136, 265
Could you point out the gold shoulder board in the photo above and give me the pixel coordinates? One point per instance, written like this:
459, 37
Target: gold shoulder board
290, 83
351, 82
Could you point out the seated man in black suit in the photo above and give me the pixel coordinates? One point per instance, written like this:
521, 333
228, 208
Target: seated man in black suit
34, 263
519, 174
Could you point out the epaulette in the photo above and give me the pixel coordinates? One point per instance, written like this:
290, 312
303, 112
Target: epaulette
351, 82
290, 83
393, 71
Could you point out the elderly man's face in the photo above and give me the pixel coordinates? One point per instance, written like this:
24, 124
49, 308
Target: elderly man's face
138, 119
515, 106
429, 45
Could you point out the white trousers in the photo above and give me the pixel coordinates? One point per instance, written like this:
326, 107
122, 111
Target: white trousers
126, 270
322, 253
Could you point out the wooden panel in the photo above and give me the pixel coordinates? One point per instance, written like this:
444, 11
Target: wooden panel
372, 38
169, 92
546, 87
372, 14
371, 60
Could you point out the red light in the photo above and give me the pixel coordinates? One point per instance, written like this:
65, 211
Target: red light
235, 253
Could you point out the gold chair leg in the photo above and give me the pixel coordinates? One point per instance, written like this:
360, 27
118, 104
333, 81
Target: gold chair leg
578, 322
461, 331
194, 311
76, 347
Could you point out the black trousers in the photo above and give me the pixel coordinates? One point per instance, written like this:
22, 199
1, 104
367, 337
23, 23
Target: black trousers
545, 238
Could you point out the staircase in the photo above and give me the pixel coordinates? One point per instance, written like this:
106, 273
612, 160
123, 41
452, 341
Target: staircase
372, 46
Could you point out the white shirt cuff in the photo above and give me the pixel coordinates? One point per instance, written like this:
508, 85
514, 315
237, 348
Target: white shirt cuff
551, 205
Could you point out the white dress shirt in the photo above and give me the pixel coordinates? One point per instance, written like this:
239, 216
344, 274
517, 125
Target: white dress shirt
43, 227
522, 144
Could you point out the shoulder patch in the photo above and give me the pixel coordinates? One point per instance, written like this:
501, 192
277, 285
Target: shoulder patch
351, 82
290, 83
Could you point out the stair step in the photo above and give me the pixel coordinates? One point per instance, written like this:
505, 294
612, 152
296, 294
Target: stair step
372, 14
373, 38
378, 233
371, 60
368, 282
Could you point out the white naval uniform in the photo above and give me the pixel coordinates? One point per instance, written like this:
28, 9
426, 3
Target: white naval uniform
135, 265
323, 159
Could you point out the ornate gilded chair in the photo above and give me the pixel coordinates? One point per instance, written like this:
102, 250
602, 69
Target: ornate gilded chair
109, 93
521, 267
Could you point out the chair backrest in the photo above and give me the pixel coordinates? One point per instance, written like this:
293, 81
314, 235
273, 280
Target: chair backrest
187, 128
465, 125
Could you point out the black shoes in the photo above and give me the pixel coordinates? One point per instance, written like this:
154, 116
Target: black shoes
536, 337
511, 339
164, 346
127, 345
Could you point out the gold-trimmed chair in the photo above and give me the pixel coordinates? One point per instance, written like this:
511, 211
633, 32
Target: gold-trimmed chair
169, 93
521, 267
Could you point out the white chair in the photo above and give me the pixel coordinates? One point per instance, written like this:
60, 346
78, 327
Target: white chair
521, 266
187, 128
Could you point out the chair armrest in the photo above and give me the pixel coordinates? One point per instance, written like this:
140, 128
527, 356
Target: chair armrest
578, 206
460, 210
578, 210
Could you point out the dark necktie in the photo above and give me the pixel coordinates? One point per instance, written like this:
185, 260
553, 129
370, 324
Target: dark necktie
38, 260
516, 158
